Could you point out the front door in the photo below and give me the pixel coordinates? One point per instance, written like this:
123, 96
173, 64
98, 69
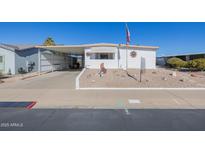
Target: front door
2, 64
122, 57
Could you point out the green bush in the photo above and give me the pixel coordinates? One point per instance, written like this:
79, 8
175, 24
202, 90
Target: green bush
191, 64
198, 64
176, 63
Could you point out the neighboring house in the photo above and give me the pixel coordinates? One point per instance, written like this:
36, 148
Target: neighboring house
162, 60
16, 59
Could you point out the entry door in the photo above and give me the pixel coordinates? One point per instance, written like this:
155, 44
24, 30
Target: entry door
2, 63
122, 58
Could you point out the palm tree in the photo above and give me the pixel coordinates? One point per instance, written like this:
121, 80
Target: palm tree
49, 42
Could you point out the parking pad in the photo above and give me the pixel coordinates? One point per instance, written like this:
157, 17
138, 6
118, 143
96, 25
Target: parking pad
27, 105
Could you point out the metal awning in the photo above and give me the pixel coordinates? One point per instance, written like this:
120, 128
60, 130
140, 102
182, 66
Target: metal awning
79, 49
64, 49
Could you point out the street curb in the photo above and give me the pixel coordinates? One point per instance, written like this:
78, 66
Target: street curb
101, 88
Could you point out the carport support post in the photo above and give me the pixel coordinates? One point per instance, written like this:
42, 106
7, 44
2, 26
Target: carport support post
52, 61
39, 61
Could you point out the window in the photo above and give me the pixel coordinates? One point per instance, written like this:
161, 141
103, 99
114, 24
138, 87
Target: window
1, 59
102, 56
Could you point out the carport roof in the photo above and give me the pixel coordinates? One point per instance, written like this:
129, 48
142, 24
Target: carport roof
80, 48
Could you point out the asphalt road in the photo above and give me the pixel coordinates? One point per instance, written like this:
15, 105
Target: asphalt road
102, 119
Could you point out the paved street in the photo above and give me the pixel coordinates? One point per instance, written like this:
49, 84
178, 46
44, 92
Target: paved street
101, 119
57, 90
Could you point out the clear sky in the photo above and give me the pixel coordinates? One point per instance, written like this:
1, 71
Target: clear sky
172, 38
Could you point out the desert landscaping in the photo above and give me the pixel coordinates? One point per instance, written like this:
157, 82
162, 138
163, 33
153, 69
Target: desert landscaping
155, 78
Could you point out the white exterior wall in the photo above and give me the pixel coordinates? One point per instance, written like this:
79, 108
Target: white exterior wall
149, 57
95, 63
9, 60
145, 58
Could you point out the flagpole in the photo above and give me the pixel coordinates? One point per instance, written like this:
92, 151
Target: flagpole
127, 43
126, 58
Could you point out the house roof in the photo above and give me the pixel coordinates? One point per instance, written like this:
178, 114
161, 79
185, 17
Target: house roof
75, 48
101, 44
8, 47
16, 47
80, 48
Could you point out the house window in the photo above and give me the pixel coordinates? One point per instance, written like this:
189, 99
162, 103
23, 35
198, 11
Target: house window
1, 59
102, 56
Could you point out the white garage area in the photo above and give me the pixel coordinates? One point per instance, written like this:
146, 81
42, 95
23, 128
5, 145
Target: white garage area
51, 61
54, 58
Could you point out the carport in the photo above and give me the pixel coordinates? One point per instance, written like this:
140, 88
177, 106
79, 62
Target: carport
53, 58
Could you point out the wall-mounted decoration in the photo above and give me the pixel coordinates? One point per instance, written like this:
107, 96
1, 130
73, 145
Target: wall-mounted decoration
133, 54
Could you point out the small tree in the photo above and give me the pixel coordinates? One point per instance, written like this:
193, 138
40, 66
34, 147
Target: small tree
49, 42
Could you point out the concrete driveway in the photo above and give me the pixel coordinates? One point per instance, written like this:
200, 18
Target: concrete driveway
54, 80
57, 90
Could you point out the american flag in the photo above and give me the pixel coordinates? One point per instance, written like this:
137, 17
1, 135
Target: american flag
127, 35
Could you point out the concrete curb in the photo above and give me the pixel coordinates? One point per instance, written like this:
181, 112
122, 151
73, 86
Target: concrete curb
77, 82
100, 88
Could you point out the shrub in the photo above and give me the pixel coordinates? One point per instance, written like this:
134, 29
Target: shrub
199, 64
176, 63
191, 64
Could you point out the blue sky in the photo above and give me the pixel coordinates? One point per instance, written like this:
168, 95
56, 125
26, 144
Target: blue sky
172, 38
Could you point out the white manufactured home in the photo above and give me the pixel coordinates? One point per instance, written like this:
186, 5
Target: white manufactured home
15, 59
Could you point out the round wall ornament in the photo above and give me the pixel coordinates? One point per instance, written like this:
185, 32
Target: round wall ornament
133, 54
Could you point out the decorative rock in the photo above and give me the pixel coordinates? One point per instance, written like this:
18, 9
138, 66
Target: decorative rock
182, 80
193, 75
88, 76
154, 72
164, 78
174, 74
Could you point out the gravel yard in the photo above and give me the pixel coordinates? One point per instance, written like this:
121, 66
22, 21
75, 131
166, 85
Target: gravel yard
160, 77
